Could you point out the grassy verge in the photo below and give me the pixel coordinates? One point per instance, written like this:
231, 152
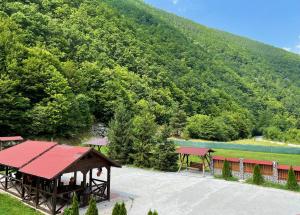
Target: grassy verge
229, 179
12, 206
288, 159
272, 185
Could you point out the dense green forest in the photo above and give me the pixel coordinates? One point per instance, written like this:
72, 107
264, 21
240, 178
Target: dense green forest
65, 64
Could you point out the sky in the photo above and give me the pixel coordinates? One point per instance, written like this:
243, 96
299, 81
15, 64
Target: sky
275, 22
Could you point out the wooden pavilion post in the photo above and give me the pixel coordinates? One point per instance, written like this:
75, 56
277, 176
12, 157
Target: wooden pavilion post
108, 183
6, 178
23, 188
203, 166
54, 196
37, 193
90, 179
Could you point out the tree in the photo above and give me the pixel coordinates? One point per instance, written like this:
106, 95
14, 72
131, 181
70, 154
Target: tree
165, 157
257, 176
292, 181
177, 122
92, 209
152, 213
120, 135
226, 170
119, 209
74, 209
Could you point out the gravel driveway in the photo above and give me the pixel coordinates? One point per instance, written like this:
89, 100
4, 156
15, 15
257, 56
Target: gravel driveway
188, 193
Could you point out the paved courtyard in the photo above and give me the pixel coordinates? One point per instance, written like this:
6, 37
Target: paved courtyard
189, 193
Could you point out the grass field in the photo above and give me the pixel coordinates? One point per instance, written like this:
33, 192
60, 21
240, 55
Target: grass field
12, 206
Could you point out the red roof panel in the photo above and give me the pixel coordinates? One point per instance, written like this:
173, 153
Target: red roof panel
54, 161
21, 154
16, 138
287, 167
223, 158
193, 151
261, 162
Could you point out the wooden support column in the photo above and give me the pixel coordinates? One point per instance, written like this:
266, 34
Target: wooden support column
6, 178
54, 196
84, 189
75, 177
90, 179
187, 161
108, 183
23, 188
203, 166
37, 194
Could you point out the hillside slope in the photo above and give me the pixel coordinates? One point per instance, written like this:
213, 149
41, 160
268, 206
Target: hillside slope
66, 63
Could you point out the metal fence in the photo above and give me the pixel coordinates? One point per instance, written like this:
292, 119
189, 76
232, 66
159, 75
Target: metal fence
241, 147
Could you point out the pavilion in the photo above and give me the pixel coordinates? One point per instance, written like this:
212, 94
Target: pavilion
34, 170
203, 153
6, 142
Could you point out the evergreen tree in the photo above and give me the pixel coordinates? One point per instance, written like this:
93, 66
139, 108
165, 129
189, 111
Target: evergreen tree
152, 213
123, 210
257, 176
226, 170
292, 181
92, 210
120, 136
116, 209
75, 206
165, 157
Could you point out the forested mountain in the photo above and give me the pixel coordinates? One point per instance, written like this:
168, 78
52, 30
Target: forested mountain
67, 63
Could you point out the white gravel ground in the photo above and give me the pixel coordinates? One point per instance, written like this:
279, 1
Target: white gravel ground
188, 193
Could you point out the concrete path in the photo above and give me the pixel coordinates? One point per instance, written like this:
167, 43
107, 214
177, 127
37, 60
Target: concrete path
189, 193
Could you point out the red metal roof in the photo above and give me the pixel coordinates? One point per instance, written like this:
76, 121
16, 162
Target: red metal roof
223, 158
287, 167
54, 161
16, 138
21, 154
193, 151
261, 162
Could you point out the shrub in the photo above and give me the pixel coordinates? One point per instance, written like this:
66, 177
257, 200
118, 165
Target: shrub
292, 181
226, 170
257, 176
92, 210
119, 209
75, 205
165, 157
152, 213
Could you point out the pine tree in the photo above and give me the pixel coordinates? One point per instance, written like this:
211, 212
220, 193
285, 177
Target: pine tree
92, 210
123, 210
292, 181
152, 213
117, 209
120, 136
226, 170
75, 205
257, 176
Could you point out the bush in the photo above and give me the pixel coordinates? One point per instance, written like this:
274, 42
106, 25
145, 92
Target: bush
226, 170
92, 210
152, 213
119, 209
292, 181
165, 157
257, 176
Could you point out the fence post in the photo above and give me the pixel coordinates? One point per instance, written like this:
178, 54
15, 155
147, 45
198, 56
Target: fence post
212, 166
241, 168
275, 171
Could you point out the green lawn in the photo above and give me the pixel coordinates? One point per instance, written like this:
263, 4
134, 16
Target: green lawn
13, 206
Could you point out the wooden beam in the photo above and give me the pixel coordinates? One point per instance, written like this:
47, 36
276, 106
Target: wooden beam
54, 197
108, 183
37, 193
6, 178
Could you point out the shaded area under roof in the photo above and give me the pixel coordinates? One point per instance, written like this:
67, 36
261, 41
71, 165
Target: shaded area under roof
194, 151
21, 154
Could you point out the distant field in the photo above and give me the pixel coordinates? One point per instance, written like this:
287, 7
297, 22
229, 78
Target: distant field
12, 206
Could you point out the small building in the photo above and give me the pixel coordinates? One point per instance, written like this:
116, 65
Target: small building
6, 142
34, 171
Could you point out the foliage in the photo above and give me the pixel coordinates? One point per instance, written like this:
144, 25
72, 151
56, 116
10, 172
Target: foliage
66, 63
120, 135
119, 209
165, 157
257, 176
292, 181
74, 209
92, 209
226, 170
152, 213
